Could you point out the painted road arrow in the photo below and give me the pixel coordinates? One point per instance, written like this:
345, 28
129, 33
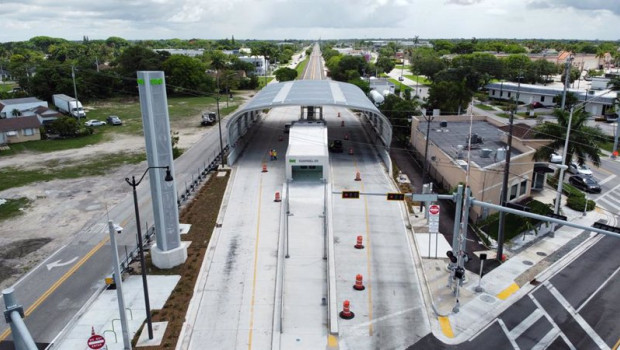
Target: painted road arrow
58, 263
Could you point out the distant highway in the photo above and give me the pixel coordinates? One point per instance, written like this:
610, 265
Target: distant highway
314, 68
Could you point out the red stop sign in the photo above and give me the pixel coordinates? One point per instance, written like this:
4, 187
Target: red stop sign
433, 209
96, 342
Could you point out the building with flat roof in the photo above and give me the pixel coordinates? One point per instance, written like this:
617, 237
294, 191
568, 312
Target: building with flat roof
598, 102
307, 157
448, 156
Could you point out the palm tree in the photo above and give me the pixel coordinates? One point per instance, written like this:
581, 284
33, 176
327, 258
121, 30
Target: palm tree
584, 141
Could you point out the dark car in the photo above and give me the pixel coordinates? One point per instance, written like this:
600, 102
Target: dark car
585, 183
114, 120
336, 146
537, 104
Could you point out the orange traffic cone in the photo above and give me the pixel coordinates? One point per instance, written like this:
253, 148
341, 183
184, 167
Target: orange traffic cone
277, 197
264, 167
351, 150
342, 123
357, 174
346, 136
359, 284
359, 244
346, 311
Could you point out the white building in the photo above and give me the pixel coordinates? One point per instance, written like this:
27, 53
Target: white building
598, 102
307, 157
259, 62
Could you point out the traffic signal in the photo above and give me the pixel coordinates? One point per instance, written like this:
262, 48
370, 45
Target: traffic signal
351, 194
396, 196
556, 216
602, 226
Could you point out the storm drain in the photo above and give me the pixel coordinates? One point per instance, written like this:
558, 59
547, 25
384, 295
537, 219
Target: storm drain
541, 253
528, 263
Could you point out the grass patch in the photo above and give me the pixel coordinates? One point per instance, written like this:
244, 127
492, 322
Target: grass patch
201, 213
99, 165
607, 146
419, 78
263, 81
179, 110
11, 207
503, 115
301, 66
6, 87
484, 107
45, 146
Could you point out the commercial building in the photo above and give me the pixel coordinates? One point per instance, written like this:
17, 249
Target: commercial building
598, 102
448, 156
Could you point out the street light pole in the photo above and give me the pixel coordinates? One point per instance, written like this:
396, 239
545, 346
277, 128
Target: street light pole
119, 286
133, 183
219, 118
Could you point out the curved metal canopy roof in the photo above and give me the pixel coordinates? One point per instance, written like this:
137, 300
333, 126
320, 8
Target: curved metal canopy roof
308, 93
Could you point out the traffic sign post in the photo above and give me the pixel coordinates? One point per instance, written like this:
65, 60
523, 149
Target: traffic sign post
95, 341
433, 226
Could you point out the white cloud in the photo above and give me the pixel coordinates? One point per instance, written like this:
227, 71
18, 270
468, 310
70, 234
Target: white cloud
309, 19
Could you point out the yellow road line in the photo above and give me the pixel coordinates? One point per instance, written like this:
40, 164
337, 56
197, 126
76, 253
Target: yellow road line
503, 295
57, 284
617, 345
446, 328
260, 193
332, 342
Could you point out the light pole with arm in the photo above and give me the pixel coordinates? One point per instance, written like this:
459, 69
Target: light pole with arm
133, 183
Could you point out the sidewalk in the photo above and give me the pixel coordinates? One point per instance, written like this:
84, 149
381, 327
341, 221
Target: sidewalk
533, 259
102, 314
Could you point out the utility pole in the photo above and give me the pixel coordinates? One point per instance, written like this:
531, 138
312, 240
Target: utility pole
566, 76
75, 92
502, 215
429, 119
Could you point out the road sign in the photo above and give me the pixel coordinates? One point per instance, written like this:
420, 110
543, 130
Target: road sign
96, 341
433, 210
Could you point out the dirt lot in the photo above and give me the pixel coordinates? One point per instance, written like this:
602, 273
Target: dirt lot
60, 208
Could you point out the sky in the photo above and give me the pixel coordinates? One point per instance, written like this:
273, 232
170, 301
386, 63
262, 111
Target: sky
310, 19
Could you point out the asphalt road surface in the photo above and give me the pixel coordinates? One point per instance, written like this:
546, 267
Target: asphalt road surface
576, 309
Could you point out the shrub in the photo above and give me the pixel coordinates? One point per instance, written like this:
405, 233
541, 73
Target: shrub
579, 202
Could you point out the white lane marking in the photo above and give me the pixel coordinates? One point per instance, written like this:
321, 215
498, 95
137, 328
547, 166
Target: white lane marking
58, 263
555, 326
608, 192
586, 327
507, 332
597, 290
547, 339
526, 323
607, 179
612, 203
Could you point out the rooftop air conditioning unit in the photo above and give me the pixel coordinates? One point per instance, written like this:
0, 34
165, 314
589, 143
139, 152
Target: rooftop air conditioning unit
500, 155
485, 153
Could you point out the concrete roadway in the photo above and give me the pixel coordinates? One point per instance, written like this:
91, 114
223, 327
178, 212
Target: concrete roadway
575, 309
390, 312
58, 294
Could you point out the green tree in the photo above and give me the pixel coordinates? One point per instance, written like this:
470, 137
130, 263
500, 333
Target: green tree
451, 97
186, 75
584, 141
65, 126
286, 74
426, 62
385, 64
571, 100
398, 111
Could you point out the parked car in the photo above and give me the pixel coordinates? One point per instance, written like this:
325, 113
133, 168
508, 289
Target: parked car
555, 158
114, 120
336, 146
537, 104
575, 168
585, 183
94, 122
